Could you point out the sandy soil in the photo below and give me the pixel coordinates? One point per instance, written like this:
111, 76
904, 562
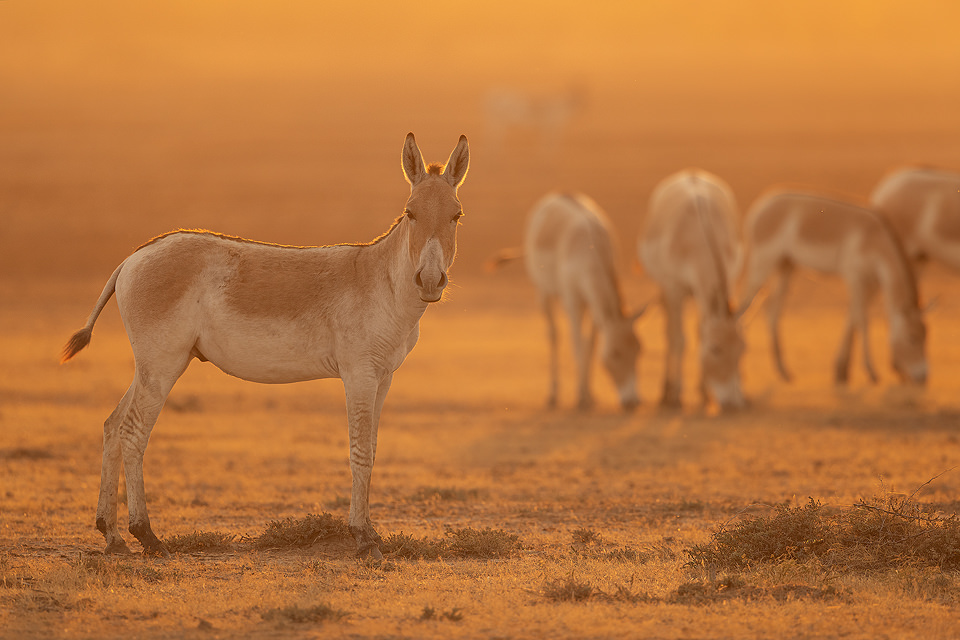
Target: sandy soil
249, 124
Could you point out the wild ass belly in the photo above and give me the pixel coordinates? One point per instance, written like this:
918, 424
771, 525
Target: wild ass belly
277, 352
272, 351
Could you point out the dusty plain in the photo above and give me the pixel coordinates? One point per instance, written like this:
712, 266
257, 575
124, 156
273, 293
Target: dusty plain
96, 159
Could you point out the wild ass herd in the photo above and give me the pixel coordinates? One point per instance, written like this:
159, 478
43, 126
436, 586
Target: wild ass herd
691, 246
276, 314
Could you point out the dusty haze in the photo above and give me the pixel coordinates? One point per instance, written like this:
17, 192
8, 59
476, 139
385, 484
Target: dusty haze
284, 122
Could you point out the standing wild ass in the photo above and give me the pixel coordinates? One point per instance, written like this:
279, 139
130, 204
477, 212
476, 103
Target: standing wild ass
787, 229
923, 205
276, 314
570, 255
690, 246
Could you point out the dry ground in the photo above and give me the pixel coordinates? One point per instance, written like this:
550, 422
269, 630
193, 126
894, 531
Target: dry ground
601, 500
286, 126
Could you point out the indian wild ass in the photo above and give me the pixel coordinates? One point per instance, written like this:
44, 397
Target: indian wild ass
788, 229
923, 205
569, 256
691, 247
276, 314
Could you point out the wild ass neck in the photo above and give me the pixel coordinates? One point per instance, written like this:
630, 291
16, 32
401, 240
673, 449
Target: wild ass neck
393, 249
895, 274
603, 296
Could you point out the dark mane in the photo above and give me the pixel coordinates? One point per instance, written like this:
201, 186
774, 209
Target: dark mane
435, 168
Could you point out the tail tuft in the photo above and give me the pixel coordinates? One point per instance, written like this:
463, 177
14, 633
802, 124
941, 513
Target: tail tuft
77, 342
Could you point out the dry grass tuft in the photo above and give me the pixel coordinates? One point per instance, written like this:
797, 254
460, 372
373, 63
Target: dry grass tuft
298, 615
568, 589
400, 545
429, 613
200, 541
282, 534
25, 453
882, 535
457, 543
586, 536
735, 587
483, 543
445, 494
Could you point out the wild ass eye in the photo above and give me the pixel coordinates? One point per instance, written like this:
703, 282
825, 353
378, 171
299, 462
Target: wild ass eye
457, 216
409, 214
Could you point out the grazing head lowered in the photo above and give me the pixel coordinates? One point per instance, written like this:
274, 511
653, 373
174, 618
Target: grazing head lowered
432, 212
619, 354
721, 347
908, 338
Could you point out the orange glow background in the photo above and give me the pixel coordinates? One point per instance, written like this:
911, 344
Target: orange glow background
284, 121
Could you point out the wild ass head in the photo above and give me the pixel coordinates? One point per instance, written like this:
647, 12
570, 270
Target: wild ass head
721, 346
619, 354
432, 213
908, 337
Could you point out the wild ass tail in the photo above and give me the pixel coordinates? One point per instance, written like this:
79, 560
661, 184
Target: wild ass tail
501, 258
81, 338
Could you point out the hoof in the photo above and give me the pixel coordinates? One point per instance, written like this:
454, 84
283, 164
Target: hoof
371, 555
118, 548
368, 541
156, 551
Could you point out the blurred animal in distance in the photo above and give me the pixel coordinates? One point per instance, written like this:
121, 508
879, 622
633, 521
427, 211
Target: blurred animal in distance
570, 257
514, 113
276, 314
690, 246
786, 229
923, 205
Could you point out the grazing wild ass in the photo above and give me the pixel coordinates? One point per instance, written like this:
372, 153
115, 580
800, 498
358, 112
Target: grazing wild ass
923, 205
276, 314
569, 256
690, 246
789, 229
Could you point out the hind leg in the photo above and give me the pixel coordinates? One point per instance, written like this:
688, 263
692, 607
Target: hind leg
110, 478
149, 392
774, 310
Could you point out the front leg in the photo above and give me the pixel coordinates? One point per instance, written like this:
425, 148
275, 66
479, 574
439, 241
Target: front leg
381, 396
673, 368
582, 351
364, 401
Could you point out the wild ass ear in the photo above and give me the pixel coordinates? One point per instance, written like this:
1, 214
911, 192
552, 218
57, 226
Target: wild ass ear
458, 163
412, 161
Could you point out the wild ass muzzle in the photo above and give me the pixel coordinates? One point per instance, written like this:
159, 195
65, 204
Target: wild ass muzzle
691, 247
569, 256
277, 314
923, 205
788, 229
